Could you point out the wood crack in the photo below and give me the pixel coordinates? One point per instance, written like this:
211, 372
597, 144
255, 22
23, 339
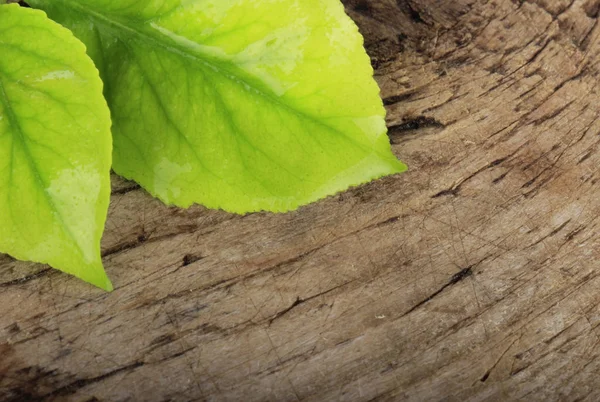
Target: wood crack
456, 278
299, 301
25, 279
84, 382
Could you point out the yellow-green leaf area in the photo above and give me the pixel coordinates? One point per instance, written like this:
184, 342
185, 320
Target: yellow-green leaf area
55, 147
242, 105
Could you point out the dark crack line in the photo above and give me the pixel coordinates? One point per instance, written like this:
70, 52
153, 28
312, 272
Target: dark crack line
26, 279
487, 373
84, 382
126, 190
457, 277
300, 301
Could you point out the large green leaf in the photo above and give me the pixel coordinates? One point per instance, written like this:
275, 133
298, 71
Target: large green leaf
243, 105
55, 147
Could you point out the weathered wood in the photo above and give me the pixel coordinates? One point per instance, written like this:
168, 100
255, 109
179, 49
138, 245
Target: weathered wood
472, 277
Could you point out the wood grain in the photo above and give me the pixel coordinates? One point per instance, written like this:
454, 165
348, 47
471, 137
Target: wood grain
473, 277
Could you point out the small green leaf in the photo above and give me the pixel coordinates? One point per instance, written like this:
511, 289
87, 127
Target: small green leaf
55, 147
243, 105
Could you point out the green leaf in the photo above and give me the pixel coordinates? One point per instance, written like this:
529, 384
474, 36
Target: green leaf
55, 147
243, 105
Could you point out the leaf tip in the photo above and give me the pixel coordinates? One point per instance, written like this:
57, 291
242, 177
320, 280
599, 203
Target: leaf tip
107, 286
103, 282
400, 167
99, 279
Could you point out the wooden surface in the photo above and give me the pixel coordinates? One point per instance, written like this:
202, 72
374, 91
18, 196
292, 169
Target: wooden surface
475, 276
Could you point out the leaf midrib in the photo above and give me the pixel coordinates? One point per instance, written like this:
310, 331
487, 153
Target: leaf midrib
211, 62
13, 121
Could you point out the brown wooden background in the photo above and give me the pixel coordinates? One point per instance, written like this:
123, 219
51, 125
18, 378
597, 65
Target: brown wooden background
475, 276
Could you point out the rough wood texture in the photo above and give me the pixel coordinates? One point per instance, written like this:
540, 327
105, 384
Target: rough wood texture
475, 276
